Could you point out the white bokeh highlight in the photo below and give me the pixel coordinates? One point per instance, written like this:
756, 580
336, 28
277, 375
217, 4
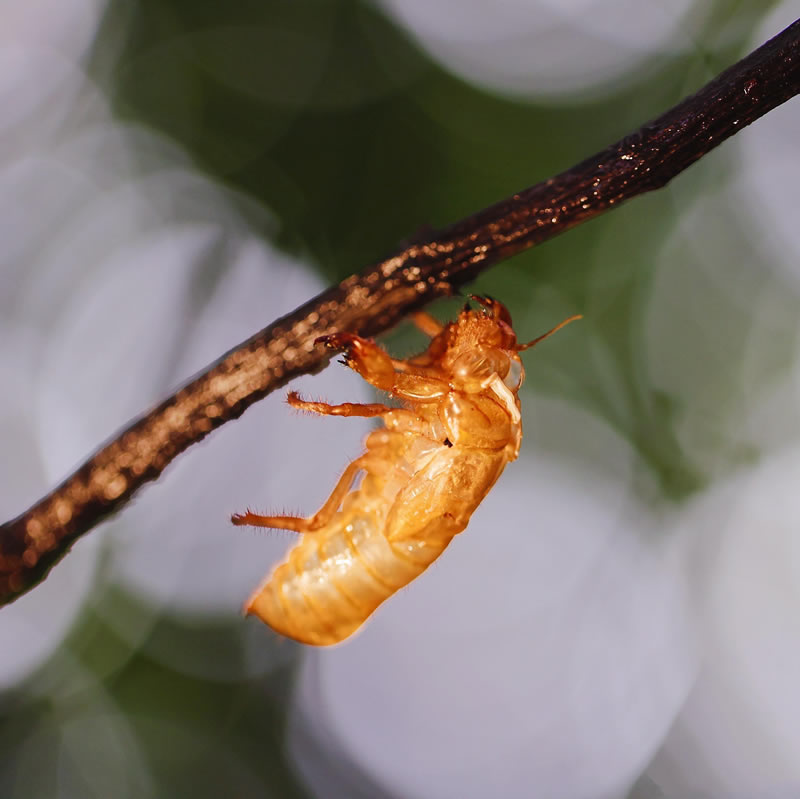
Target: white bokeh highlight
41, 44
33, 627
125, 272
498, 670
739, 733
546, 48
770, 172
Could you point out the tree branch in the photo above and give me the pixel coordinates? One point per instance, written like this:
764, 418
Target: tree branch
372, 301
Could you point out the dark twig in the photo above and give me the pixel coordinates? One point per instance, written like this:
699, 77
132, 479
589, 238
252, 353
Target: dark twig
380, 296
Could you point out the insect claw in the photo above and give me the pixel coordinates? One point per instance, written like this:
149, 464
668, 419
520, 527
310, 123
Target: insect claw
337, 341
487, 303
493, 308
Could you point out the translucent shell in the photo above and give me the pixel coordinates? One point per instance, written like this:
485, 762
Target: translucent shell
423, 474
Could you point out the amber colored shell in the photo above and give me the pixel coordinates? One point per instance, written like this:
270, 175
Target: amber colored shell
423, 474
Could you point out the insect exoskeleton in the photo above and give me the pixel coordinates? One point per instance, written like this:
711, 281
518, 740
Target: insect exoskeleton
423, 473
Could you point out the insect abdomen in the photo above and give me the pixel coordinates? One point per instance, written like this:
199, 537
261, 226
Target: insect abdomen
335, 578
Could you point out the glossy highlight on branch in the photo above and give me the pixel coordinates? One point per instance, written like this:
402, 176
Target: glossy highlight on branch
372, 301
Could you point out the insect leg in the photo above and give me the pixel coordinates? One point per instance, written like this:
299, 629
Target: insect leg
377, 368
419, 387
365, 356
302, 525
344, 409
428, 324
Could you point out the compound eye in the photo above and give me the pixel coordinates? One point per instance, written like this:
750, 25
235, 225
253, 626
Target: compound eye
513, 379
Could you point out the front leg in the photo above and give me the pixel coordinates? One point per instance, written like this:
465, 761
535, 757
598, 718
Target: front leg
366, 410
377, 368
364, 356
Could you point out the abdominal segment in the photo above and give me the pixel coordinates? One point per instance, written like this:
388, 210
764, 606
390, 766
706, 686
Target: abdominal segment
337, 576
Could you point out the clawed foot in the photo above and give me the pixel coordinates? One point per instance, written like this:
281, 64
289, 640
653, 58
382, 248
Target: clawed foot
364, 356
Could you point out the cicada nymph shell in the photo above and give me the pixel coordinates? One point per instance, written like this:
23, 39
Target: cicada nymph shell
423, 473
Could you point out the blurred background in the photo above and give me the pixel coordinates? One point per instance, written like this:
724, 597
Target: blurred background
620, 619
